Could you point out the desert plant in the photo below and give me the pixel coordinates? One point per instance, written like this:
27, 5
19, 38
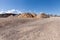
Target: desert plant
42, 15
27, 15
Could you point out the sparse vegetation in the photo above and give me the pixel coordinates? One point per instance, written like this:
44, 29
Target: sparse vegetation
25, 15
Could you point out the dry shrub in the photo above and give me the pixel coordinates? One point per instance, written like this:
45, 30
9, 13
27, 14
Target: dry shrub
27, 15
42, 15
34, 15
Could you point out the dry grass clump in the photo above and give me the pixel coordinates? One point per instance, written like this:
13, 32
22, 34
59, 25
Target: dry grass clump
42, 15
27, 15
34, 15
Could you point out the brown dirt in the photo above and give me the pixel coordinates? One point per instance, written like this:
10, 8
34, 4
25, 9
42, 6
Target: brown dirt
30, 29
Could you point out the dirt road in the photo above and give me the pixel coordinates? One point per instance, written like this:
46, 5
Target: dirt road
30, 29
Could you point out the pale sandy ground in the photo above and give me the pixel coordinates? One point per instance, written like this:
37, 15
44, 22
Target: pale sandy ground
30, 29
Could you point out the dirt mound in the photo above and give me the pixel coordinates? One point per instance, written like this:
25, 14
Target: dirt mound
27, 15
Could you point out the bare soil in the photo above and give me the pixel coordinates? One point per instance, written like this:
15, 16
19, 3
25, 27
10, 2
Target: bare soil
30, 29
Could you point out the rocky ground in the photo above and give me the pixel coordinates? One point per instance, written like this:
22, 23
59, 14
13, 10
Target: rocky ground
30, 29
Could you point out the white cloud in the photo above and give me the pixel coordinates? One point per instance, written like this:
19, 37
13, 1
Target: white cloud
2, 12
11, 11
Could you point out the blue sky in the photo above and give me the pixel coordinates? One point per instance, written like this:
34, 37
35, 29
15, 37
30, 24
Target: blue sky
47, 6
